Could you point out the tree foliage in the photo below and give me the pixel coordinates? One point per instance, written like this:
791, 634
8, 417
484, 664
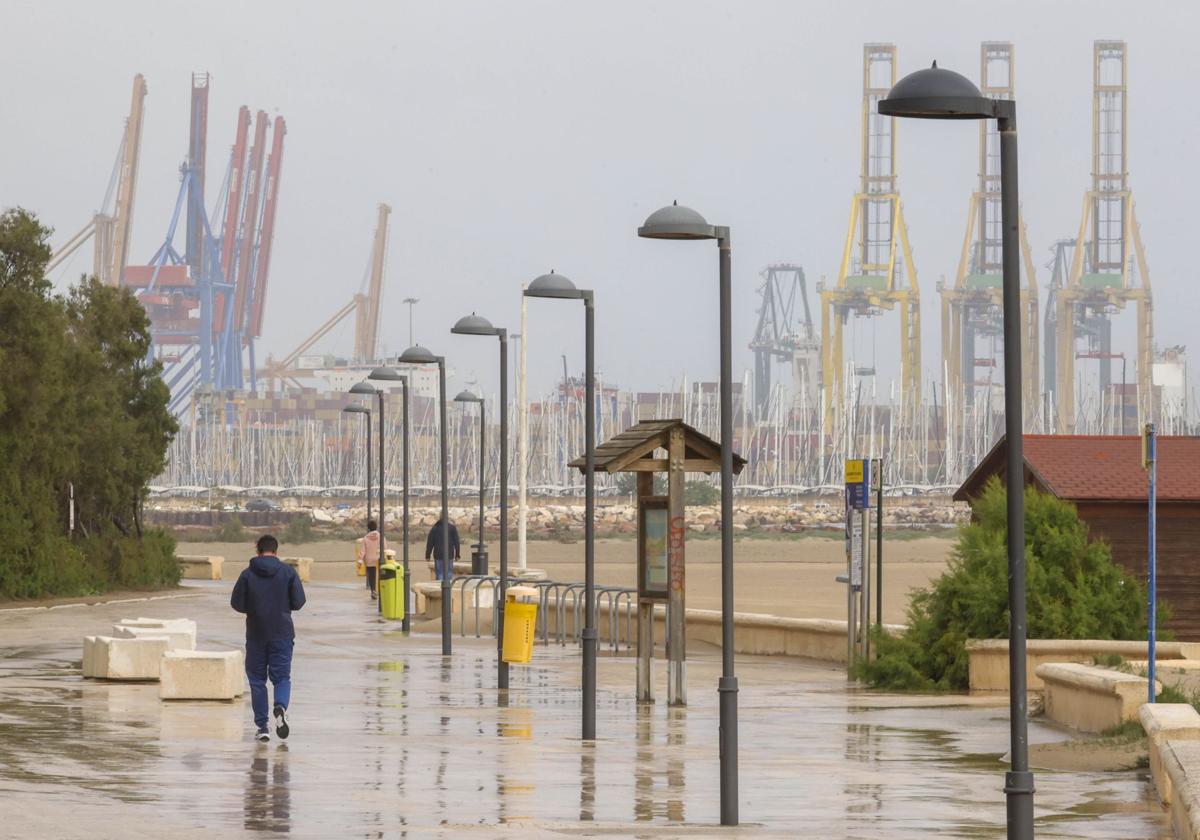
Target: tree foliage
1074, 590
81, 407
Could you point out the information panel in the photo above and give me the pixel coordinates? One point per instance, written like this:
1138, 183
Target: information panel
653, 548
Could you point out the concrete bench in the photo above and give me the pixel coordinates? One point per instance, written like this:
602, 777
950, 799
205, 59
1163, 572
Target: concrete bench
1092, 699
202, 675
179, 637
1181, 762
116, 658
199, 567
302, 565
1166, 722
988, 665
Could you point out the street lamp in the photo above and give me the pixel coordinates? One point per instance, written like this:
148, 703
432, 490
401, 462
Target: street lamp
387, 374
939, 94
465, 398
475, 325
418, 355
366, 413
676, 222
557, 286
366, 389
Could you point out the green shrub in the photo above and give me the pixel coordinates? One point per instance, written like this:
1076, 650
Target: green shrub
701, 493
231, 530
1074, 590
299, 530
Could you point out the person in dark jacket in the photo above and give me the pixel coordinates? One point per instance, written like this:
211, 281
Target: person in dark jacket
267, 593
443, 563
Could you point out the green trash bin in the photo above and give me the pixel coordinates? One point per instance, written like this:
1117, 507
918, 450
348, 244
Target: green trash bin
391, 590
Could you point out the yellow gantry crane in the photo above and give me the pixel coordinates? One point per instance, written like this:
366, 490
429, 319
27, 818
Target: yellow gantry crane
1106, 272
876, 272
366, 308
972, 308
111, 231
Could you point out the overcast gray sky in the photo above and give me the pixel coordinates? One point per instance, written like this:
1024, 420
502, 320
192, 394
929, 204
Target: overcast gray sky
515, 137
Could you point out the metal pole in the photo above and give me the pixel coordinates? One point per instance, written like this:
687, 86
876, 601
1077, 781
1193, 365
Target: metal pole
589, 514
405, 625
367, 417
879, 543
522, 444
445, 535
382, 514
1018, 782
501, 665
727, 687
1152, 559
482, 470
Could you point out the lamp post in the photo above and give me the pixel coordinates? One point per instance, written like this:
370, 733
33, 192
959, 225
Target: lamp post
367, 389
675, 222
411, 301
475, 325
557, 286
466, 398
366, 413
418, 355
387, 374
940, 94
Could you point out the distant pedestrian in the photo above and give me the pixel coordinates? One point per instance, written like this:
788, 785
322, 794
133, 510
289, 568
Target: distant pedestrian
367, 549
267, 593
443, 562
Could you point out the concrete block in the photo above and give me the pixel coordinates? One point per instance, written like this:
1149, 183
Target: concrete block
199, 567
302, 565
202, 675
988, 658
1092, 699
178, 636
1163, 722
177, 624
117, 658
90, 665
1181, 761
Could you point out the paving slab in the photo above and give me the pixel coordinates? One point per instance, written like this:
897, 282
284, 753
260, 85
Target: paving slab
390, 739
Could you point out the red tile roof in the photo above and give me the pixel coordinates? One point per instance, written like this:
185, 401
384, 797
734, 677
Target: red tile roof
1101, 468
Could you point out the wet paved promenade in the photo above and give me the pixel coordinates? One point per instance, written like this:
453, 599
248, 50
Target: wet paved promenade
391, 740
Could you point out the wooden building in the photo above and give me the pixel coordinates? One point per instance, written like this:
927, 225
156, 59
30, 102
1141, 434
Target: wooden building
1103, 477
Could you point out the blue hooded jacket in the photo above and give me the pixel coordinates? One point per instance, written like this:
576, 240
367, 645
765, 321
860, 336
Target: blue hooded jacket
267, 593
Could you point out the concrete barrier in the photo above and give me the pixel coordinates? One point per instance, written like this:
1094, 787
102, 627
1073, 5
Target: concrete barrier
202, 675
302, 565
1181, 761
988, 667
117, 658
754, 633
1167, 722
199, 567
1091, 699
178, 637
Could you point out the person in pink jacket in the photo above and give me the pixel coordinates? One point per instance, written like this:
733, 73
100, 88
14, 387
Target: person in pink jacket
369, 554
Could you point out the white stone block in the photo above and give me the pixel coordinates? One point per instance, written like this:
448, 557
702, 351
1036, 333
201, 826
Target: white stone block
185, 624
117, 658
89, 664
202, 675
178, 637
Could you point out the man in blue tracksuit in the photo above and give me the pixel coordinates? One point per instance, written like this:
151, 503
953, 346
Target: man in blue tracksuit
267, 593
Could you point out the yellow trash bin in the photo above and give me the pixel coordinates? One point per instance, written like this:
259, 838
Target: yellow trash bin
391, 590
520, 621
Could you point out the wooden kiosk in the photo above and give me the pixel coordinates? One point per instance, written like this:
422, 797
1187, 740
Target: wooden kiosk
675, 448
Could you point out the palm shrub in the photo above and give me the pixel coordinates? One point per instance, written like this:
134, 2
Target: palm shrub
1074, 590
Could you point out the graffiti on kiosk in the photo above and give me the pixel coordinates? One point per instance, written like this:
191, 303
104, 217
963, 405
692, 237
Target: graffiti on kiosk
675, 553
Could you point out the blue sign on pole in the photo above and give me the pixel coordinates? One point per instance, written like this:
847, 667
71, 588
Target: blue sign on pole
858, 484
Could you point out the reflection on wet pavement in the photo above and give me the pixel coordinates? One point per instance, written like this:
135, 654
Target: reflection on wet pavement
392, 740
